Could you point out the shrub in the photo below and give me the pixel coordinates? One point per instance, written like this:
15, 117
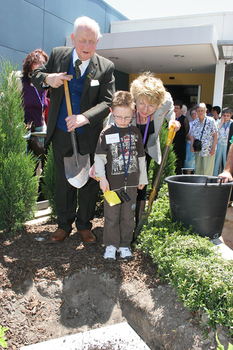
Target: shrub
48, 181
203, 280
2, 336
170, 164
18, 186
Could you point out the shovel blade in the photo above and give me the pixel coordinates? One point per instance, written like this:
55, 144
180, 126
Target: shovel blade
77, 176
112, 198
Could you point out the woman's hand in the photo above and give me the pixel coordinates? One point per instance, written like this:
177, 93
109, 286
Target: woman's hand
140, 187
212, 152
176, 123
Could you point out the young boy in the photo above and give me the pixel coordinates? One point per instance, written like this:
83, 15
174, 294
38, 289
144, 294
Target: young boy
120, 166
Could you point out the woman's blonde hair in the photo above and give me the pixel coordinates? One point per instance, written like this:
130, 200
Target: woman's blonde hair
147, 85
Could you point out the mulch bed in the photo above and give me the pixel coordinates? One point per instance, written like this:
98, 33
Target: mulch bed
31, 255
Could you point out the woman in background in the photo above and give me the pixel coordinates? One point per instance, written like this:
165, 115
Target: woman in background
190, 156
223, 126
34, 101
204, 129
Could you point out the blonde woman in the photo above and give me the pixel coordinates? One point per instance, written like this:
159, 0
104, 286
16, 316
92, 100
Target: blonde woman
153, 104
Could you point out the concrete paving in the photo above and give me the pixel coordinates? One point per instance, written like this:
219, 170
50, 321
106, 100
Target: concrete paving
225, 242
118, 336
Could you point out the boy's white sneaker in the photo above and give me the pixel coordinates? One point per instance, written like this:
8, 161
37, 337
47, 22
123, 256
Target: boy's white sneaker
110, 253
125, 253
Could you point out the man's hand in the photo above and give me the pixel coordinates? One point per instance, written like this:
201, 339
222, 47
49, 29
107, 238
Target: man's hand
75, 121
56, 79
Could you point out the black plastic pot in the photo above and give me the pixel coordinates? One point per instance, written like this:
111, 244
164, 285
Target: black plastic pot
199, 201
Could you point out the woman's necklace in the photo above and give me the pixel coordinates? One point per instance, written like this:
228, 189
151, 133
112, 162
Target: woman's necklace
139, 118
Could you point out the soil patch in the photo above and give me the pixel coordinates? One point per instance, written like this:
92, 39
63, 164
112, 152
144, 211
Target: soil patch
50, 290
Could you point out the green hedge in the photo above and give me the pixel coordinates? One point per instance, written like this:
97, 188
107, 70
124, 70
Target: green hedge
18, 185
203, 280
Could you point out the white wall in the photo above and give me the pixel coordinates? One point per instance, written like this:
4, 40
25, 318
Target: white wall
222, 21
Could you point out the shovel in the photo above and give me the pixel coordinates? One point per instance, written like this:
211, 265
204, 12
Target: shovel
76, 167
170, 137
111, 197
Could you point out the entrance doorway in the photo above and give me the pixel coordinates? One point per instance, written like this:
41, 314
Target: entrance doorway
187, 94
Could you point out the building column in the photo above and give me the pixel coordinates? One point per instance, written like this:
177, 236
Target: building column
219, 83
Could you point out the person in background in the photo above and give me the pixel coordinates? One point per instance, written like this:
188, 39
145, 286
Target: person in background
34, 101
190, 156
228, 170
179, 142
91, 92
184, 110
209, 109
216, 110
223, 126
204, 159
120, 166
188, 115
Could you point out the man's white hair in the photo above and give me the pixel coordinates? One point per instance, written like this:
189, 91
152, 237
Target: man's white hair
89, 22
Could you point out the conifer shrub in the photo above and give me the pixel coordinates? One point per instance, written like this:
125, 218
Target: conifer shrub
18, 186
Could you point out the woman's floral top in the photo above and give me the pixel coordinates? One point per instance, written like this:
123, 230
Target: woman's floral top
223, 132
208, 134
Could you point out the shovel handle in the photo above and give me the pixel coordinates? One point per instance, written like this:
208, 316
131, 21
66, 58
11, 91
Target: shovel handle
67, 95
69, 110
171, 135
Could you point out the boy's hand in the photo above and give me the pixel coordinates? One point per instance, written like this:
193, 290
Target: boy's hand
92, 173
104, 185
140, 187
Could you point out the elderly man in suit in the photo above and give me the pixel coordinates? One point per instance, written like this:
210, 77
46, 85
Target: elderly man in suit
91, 92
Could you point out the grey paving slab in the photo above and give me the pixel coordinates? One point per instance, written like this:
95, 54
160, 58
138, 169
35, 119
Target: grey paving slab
119, 336
223, 249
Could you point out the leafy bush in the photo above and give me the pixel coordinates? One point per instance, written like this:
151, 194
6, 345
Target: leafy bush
203, 280
2, 336
18, 186
49, 181
170, 164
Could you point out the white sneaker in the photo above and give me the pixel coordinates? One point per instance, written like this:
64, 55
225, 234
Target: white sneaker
125, 253
110, 253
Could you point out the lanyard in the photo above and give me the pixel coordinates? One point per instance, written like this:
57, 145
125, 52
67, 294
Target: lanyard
147, 127
226, 126
41, 100
123, 154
